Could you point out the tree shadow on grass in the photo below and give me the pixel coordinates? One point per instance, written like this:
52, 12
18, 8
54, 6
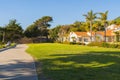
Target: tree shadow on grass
89, 66
18, 70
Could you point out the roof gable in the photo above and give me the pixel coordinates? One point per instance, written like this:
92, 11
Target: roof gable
81, 34
87, 34
108, 33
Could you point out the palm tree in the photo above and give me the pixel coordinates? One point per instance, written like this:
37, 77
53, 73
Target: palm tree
90, 17
96, 28
103, 19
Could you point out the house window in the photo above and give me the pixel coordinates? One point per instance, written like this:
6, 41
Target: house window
80, 39
85, 39
73, 39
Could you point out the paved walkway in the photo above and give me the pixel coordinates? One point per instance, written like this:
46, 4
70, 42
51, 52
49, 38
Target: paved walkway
15, 64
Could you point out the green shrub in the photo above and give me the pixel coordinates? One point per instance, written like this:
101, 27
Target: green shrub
113, 45
1, 46
66, 42
25, 40
95, 44
118, 46
72, 43
104, 44
80, 43
99, 44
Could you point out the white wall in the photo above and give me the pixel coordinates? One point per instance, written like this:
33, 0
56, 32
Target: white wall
72, 34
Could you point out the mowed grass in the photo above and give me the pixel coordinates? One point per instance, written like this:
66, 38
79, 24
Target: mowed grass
75, 62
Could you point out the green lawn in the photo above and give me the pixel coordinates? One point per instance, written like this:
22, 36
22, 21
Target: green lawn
75, 62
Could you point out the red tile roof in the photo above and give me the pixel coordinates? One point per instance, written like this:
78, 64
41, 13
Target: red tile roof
108, 33
81, 33
85, 34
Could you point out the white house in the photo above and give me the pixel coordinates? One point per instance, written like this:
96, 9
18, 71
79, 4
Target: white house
113, 27
80, 37
85, 37
99, 36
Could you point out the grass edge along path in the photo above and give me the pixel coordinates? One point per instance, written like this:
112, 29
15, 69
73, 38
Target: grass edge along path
75, 62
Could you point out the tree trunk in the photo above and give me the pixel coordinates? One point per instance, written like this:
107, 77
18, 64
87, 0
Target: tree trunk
105, 35
91, 30
105, 25
95, 37
3, 39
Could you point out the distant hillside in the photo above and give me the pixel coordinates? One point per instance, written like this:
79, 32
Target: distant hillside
117, 20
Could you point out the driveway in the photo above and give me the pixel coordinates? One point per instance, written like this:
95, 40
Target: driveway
16, 64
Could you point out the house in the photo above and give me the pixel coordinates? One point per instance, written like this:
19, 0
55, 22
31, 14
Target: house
85, 37
113, 27
116, 30
100, 36
80, 37
63, 38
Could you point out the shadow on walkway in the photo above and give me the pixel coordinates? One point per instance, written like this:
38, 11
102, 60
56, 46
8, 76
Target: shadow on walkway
17, 70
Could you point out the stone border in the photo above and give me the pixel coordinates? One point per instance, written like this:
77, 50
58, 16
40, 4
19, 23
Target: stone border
3, 49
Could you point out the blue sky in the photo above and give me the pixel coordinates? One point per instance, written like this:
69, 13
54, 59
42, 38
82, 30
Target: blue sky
62, 11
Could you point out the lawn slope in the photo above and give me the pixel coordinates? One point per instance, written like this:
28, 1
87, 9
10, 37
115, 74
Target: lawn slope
74, 62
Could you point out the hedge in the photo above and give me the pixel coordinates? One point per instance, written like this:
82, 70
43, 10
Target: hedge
104, 44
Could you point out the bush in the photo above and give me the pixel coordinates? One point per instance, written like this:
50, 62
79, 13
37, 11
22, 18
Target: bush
25, 40
95, 44
118, 47
72, 43
1, 46
80, 43
104, 44
66, 42
113, 45
99, 44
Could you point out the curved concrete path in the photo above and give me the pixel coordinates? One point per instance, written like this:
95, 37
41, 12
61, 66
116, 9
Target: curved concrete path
16, 64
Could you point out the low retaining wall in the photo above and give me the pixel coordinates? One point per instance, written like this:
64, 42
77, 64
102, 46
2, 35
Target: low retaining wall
3, 49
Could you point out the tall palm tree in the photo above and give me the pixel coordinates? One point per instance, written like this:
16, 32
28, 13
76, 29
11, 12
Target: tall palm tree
96, 28
103, 17
90, 17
